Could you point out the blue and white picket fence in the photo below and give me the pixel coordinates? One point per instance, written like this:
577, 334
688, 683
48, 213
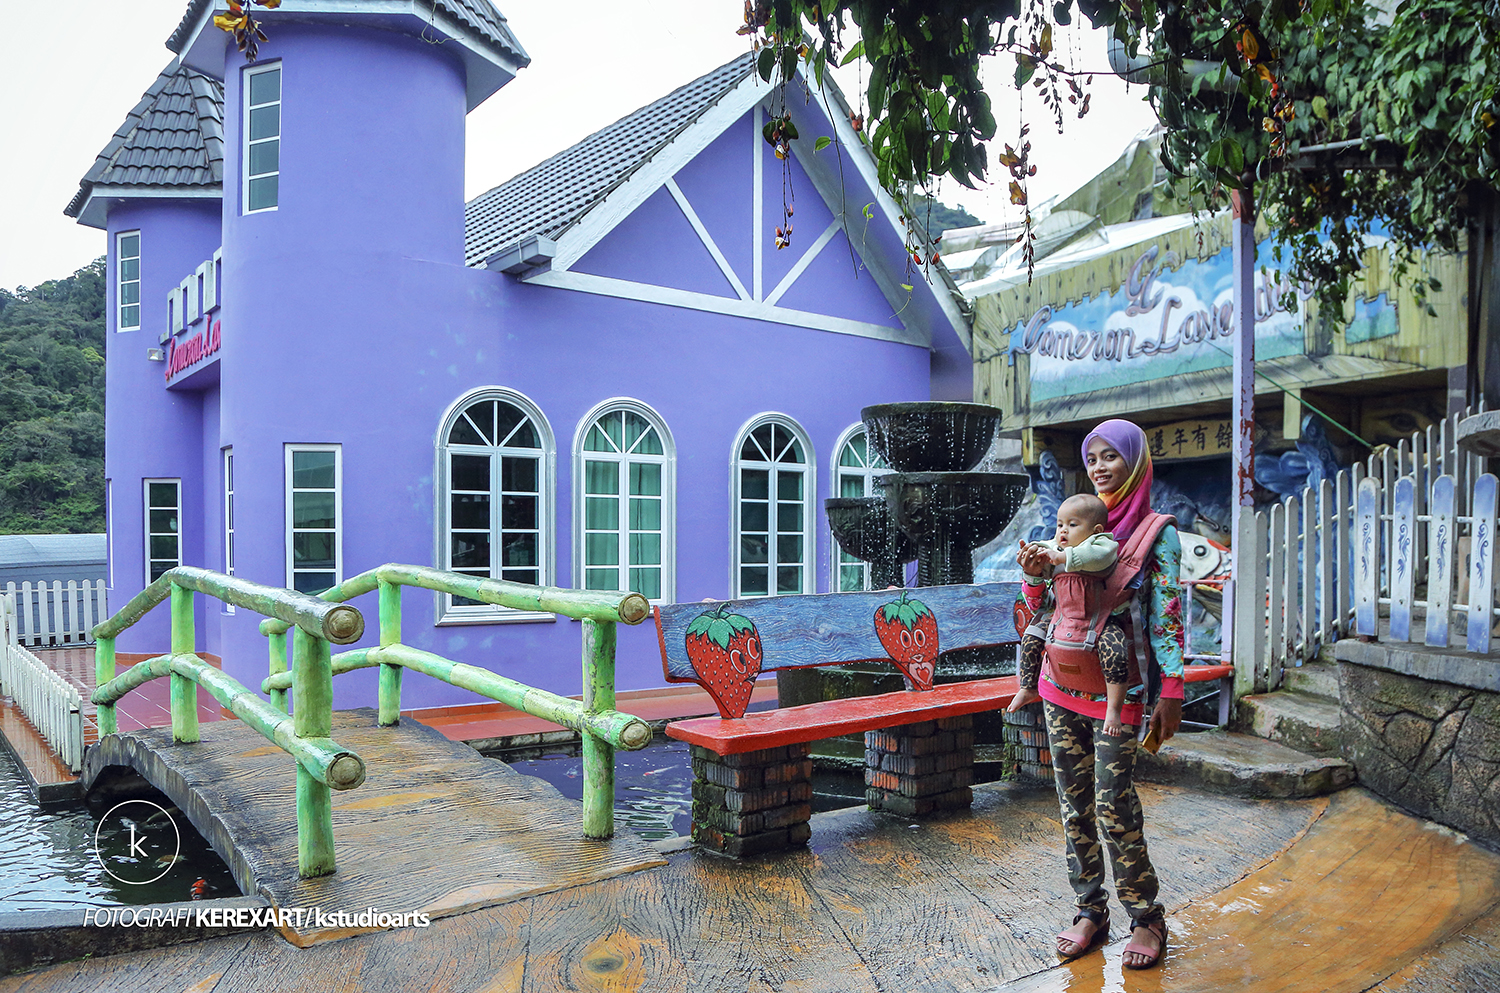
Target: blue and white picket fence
1351, 555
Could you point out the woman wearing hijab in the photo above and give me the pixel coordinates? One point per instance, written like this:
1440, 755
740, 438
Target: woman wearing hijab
1095, 772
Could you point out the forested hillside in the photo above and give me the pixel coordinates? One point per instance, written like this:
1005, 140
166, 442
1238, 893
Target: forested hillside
52, 405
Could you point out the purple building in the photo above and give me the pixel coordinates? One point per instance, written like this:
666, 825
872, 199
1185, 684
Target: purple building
600, 374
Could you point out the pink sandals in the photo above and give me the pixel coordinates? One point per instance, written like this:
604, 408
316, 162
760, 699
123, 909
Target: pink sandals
1100, 920
1157, 927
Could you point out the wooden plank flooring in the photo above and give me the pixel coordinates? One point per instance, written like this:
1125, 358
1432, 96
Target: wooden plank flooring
435, 827
1334, 895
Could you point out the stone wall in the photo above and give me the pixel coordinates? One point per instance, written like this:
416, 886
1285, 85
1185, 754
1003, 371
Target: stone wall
1430, 746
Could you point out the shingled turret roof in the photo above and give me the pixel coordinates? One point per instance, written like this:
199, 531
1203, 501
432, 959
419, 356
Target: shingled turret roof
479, 16
549, 198
171, 143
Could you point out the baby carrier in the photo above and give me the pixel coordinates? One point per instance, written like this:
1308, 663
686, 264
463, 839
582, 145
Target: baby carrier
1081, 607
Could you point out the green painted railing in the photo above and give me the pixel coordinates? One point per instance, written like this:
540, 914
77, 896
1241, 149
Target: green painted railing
601, 727
322, 765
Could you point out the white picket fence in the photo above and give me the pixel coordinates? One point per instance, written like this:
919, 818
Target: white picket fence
50, 702
1335, 554
57, 614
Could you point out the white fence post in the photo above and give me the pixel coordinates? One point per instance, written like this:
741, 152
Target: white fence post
1481, 563
1276, 588
1403, 564
1366, 556
1440, 542
1327, 603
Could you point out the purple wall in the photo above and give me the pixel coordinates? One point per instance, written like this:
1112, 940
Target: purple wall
349, 319
150, 432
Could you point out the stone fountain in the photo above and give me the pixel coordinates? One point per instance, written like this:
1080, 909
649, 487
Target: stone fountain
935, 497
934, 508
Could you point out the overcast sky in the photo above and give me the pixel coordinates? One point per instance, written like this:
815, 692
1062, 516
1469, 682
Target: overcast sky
72, 69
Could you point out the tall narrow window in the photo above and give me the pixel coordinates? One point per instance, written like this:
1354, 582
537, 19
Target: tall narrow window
262, 129
313, 508
128, 280
773, 481
163, 526
228, 519
854, 475
624, 467
229, 511
497, 476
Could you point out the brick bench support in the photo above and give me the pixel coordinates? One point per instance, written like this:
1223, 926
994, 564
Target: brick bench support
920, 769
752, 802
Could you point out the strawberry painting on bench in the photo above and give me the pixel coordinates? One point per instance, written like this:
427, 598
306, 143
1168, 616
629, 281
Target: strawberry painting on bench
908, 631
725, 652
725, 645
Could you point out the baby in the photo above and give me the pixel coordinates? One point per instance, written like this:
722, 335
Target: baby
1081, 546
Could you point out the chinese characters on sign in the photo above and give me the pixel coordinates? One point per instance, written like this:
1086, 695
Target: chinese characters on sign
1190, 439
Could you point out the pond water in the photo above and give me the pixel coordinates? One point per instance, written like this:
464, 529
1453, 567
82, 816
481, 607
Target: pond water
48, 860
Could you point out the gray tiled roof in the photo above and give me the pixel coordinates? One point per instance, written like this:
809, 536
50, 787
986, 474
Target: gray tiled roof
549, 198
173, 138
479, 16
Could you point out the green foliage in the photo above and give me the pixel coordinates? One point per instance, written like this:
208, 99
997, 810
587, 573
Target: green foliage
1243, 87
52, 346
1415, 91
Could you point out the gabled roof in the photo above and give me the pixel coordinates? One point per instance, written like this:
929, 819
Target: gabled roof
479, 16
549, 198
170, 144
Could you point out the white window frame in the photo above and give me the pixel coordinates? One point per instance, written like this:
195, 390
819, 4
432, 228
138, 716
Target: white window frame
146, 508
835, 489
226, 471
447, 612
809, 503
668, 462
120, 281
338, 508
109, 532
246, 142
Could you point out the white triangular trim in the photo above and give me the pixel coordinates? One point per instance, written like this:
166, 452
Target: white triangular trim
834, 227
822, 169
752, 309
706, 238
653, 174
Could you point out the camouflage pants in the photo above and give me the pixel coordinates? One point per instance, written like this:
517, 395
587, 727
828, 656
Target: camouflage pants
1096, 789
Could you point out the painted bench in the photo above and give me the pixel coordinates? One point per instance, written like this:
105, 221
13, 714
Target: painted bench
752, 773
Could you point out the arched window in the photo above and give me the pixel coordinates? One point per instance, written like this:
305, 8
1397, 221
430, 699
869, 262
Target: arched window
773, 511
496, 472
855, 467
624, 488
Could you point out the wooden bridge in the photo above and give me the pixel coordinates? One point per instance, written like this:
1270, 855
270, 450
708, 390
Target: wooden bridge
423, 824
435, 827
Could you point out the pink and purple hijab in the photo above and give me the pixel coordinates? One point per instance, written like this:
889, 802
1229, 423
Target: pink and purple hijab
1129, 504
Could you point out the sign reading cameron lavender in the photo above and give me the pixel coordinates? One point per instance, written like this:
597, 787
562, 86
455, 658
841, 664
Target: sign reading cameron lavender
1161, 323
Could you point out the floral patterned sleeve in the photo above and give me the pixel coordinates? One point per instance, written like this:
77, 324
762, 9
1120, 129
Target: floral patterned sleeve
1164, 610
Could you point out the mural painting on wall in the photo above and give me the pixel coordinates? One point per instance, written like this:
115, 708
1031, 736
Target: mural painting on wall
1158, 325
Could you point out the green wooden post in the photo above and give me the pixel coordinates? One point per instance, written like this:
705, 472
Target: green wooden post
390, 634
104, 671
312, 688
598, 754
184, 690
278, 665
